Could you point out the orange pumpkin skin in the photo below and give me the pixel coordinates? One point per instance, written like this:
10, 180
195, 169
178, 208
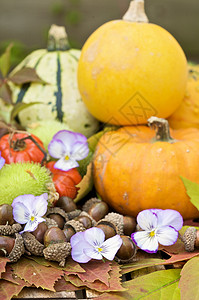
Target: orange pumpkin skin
187, 114
132, 174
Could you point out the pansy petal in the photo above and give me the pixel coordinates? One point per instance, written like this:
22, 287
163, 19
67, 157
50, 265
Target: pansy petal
28, 198
80, 151
93, 253
166, 235
170, 217
67, 137
143, 240
111, 246
147, 220
81, 138
20, 213
31, 225
2, 161
56, 148
94, 236
40, 204
76, 238
65, 165
78, 254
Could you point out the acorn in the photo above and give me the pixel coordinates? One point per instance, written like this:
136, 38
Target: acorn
54, 235
6, 216
96, 208
66, 203
127, 251
86, 221
71, 227
58, 252
191, 239
50, 222
84, 213
6, 245
18, 249
109, 229
32, 245
125, 224
10, 229
58, 215
39, 232
73, 214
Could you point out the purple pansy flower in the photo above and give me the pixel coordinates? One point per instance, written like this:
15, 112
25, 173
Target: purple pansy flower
91, 244
29, 209
68, 147
2, 161
158, 227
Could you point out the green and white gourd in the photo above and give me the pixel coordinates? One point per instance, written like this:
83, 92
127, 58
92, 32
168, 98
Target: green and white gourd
60, 97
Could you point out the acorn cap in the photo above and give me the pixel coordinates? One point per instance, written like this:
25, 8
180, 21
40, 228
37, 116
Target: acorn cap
117, 220
85, 214
89, 203
18, 249
73, 214
32, 244
10, 229
76, 225
58, 211
189, 238
50, 222
58, 252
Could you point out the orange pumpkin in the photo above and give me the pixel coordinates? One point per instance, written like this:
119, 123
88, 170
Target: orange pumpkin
133, 170
130, 70
187, 114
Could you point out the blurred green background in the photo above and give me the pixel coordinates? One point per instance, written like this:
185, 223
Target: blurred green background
26, 22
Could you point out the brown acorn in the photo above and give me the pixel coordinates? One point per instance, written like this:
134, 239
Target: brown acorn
191, 239
58, 215
54, 235
39, 232
57, 252
6, 216
18, 249
68, 232
6, 245
127, 251
86, 221
32, 245
66, 203
10, 229
108, 228
96, 208
125, 224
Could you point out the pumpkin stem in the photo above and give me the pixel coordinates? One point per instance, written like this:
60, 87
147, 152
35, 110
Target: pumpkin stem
57, 39
136, 12
161, 127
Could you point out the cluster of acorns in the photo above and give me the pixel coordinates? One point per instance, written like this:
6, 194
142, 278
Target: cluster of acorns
51, 239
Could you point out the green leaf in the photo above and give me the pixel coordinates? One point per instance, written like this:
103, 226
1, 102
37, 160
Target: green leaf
86, 184
192, 189
5, 61
6, 93
189, 280
25, 75
161, 285
20, 106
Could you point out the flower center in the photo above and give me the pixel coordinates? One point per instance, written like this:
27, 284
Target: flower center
32, 218
152, 233
67, 157
99, 249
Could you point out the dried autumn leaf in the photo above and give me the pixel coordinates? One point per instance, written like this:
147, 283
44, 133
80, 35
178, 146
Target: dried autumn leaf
25, 75
9, 275
10, 289
62, 285
144, 263
93, 271
192, 189
6, 93
189, 279
3, 262
86, 184
37, 274
20, 106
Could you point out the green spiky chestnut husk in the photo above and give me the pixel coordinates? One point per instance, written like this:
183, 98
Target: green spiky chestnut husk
23, 178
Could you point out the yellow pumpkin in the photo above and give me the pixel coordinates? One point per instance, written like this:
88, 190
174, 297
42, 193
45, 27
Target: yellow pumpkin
134, 171
187, 114
130, 70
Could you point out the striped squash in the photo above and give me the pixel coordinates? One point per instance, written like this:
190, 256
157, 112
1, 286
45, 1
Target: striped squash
57, 67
